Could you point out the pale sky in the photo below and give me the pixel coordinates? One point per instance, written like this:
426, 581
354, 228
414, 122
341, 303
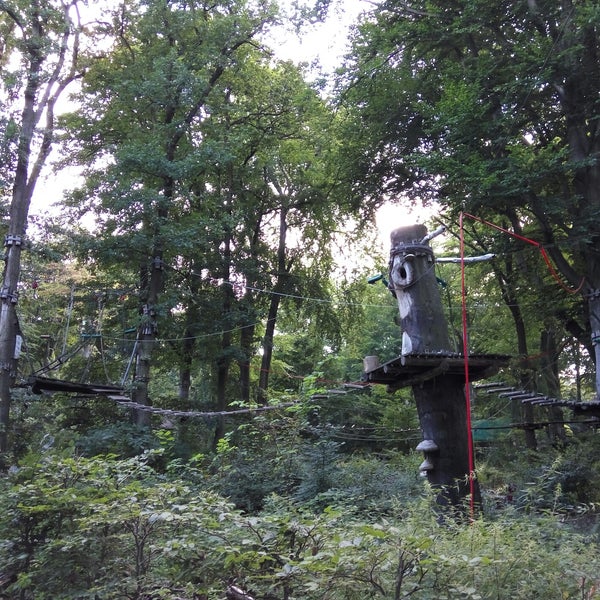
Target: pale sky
325, 42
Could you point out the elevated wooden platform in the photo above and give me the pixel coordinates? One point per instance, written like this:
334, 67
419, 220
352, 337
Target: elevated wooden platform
412, 369
47, 384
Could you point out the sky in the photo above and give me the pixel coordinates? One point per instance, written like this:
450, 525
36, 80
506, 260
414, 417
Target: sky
325, 42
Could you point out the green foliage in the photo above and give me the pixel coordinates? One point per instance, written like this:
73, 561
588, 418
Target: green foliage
122, 440
561, 481
102, 527
255, 460
83, 519
488, 109
200, 148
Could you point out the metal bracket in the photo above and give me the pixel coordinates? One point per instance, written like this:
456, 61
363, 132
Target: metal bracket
13, 240
157, 263
149, 325
6, 294
416, 249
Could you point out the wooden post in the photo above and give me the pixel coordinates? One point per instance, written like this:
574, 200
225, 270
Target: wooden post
440, 400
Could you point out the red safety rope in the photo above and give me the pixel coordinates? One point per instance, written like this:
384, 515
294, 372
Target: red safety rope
555, 275
467, 381
542, 250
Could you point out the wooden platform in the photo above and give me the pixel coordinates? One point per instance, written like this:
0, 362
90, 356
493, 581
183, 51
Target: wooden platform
47, 384
413, 369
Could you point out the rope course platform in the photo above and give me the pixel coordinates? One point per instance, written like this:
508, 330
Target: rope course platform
118, 394
412, 369
48, 384
415, 366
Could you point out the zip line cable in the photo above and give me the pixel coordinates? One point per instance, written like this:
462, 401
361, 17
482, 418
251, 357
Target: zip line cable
57, 362
479, 306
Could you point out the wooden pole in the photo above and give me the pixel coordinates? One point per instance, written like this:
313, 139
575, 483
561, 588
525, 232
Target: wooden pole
441, 404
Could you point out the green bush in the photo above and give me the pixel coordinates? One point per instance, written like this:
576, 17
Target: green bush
563, 480
255, 460
101, 527
120, 439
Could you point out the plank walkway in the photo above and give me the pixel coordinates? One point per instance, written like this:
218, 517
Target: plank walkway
502, 390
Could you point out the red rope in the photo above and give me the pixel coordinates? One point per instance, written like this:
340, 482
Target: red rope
467, 381
545, 256
554, 274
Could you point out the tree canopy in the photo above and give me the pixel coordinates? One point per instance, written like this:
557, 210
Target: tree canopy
491, 110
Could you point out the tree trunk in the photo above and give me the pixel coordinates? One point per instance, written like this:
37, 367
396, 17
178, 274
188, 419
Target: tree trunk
441, 403
510, 299
283, 272
146, 342
267, 348
143, 363
522, 413
246, 339
442, 411
188, 345
223, 364
224, 360
185, 375
594, 307
550, 384
44, 89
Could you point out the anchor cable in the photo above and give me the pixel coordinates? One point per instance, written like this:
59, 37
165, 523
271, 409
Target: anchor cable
467, 383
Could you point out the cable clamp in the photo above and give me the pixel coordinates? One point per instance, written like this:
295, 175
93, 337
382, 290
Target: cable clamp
593, 294
6, 294
415, 249
595, 337
13, 240
158, 263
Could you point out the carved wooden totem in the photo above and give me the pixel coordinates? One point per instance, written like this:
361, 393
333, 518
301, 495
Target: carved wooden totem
438, 389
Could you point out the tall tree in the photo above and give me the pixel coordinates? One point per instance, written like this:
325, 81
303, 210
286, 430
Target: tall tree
274, 137
492, 109
145, 104
40, 53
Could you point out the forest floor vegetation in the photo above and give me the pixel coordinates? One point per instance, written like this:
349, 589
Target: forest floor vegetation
279, 516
